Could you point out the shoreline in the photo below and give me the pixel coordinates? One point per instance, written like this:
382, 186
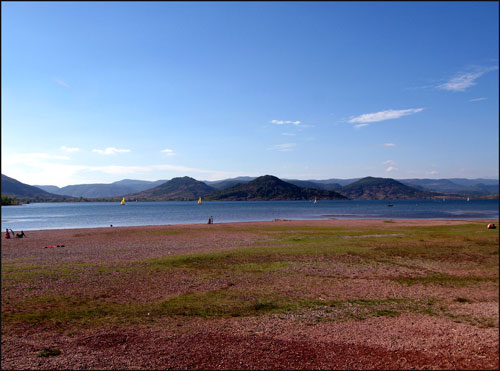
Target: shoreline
338, 221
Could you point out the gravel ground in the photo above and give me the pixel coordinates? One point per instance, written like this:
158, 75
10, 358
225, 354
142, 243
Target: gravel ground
296, 340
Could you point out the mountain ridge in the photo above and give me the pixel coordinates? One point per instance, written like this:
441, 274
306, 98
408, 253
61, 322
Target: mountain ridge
418, 188
381, 189
268, 187
176, 189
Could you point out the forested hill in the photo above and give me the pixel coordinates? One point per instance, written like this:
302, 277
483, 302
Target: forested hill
27, 193
268, 187
176, 189
370, 188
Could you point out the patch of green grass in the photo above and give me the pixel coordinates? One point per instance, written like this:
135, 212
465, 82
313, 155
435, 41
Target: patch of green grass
238, 260
49, 352
443, 279
463, 300
224, 303
259, 267
115, 269
29, 273
387, 312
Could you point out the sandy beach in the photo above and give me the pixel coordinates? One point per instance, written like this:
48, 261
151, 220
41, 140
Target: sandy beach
329, 294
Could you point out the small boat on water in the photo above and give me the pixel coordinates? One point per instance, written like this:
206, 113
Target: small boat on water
199, 201
315, 200
468, 199
123, 201
390, 205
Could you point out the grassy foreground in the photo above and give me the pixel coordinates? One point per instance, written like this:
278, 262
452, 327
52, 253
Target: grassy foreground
315, 274
261, 274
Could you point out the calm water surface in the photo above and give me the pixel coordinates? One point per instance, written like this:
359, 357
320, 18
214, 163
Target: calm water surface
103, 214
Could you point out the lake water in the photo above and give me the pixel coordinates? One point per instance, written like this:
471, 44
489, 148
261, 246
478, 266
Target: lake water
103, 214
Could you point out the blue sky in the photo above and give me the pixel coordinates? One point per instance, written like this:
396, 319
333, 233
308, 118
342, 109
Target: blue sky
102, 91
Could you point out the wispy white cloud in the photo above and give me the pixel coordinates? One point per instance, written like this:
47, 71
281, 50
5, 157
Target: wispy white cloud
70, 149
389, 145
477, 99
464, 80
38, 168
110, 151
44, 169
61, 82
389, 162
30, 158
208, 174
283, 147
169, 152
391, 168
289, 134
285, 122
358, 126
383, 115
119, 170
432, 172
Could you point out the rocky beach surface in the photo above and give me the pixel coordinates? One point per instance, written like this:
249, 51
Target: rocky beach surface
329, 294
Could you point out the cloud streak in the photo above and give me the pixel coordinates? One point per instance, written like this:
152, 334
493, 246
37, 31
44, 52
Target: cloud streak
477, 99
464, 80
389, 145
382, 116
30, 158
38, 168
70, 149
285, 122
61, 82
110, 151
286, 147
169, 152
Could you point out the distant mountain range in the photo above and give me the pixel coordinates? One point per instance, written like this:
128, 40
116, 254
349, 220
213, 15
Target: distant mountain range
26, 193
249, 188
116, 189
463, 187
370, 188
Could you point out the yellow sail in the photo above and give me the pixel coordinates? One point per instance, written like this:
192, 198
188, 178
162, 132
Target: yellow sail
199, 201
123, 201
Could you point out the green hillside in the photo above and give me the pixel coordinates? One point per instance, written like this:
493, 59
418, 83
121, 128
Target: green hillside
268, 187
371, 188
176, 189
26, 193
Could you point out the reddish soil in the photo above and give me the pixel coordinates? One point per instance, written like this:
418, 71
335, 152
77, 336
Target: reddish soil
275, 341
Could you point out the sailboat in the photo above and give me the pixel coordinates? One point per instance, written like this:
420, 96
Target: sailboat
199, 201
468, 199
123, 201
315, 200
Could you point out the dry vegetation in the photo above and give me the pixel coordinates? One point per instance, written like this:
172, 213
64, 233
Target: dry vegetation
330, 294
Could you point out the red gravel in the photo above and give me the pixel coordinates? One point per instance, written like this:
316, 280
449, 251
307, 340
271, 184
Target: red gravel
279, 341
